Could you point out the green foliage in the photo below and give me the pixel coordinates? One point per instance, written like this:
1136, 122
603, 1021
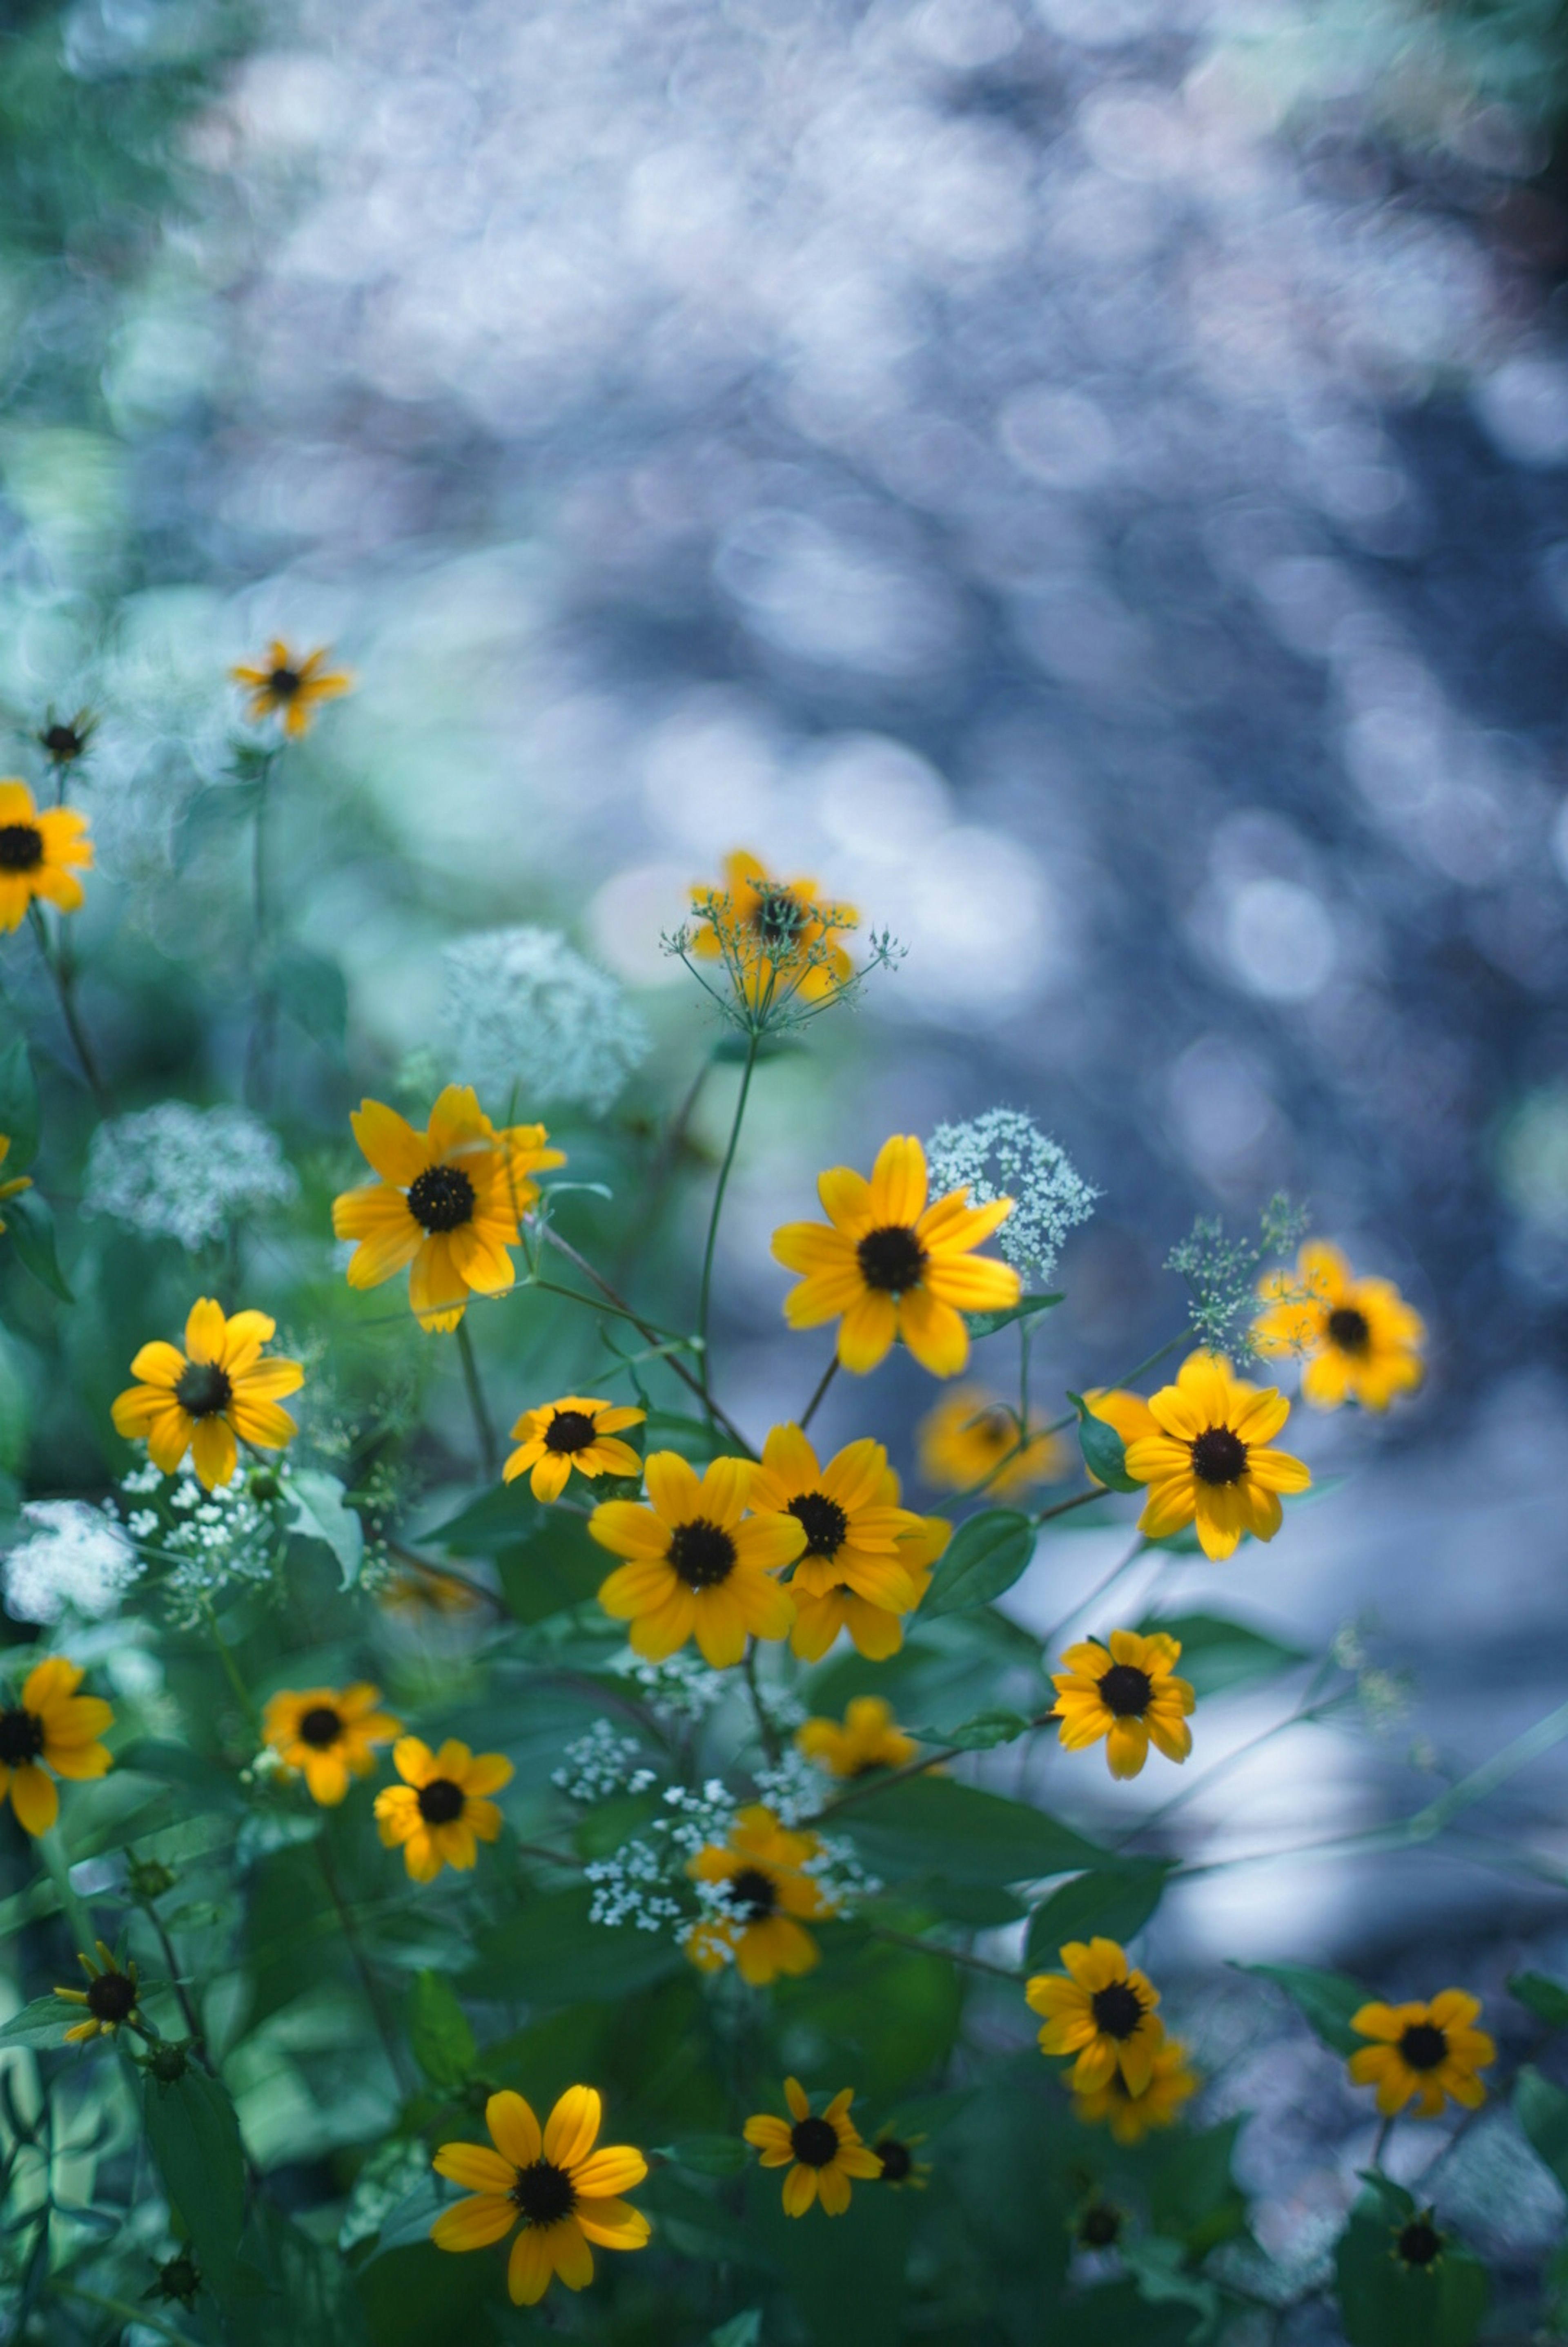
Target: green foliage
440, 2037
1547, 1999
1028, 1307
1387, 2302
1325, 2001
932, 1825
1217, 1653
195, 2140
1112, 1902
983, 1559
1105, 1453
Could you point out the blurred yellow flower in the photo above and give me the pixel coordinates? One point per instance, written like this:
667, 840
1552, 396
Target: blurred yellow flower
1211, 1461
289, 686
866, 1739
964, 1440
553, 2182
1359, 1340
699, 1566
764, 1899
772, 932
18, 1182
328, 1735
822, 2154
441, 1812
39, 849
1127, 1696
219, 1389
574, 1431
111, 1997
53, 1728
1100, 2010
1426, 2050
1172, 2082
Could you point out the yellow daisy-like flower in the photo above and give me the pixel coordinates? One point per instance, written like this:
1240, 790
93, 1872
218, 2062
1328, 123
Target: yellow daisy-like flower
1359, 1340
1101, 2011
292, 688
1127, 1696
328, 1735
446, 1204
1172, 2082
564, 2193
764, 1896
55, 1728
41, 851
775, 930
1129, 1413
875, 1622
18, 1181
900, 2165
965, 1439
887, 1265
696, 1568
853, 1531
574, 1431
111, 1997
866, 1739
440, 1812
1425, 2050
1211, 1459
822, 2154
219, 1389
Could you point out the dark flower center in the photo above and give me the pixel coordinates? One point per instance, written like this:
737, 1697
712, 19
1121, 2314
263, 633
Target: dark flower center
21, 847
1349, 1329
441, 1198
320, 1726
569, 1430
777, 917
890, 1259
440, 1801
1421, 2243
1117, 2009
21, 1736
284, 683
1423, 2046
63, 743
701, 1554
1126, 1690
179, 2278
1219, 1456
754, 1892
897, 2160
995, 1427
826, 1524
815, 2142
544, 2193
1100, 2227
203, 1390
111, 1998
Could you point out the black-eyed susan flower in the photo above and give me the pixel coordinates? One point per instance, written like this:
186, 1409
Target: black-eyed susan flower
1172, 2082
219, 1389
900, 2165
865, 1739
18, 1182
441, 1812
328, 1735
53, 1728
822, 2154
971, 1438
1358, 1338
42, 849
1126, 1692
1425, 2051
575, 1432
1211, 1459
552, 2182
885, 1264
446, 1204
1103, 2011
64, 740
111, 1997
763, 1894
853, 1531
772, 933
699, 1566
1098, 2225
1417, 2242
291, 686
875, 1622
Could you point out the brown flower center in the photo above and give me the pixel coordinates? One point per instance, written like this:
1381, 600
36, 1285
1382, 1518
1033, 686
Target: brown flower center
21, 1736
1219, 1456
1117, 2009
892, 1258
111, 1998
544, 2193
63, 743
1126, 1690
896, 2159
1424, 2045
1350, 1329
1419, 2243
441, 1198
284, 682
568, 1431
440, 1801
1100, 2226
21, 847
754, 1892
203, 1388
827, 1525
320, 1726
815, 2142
701, 1554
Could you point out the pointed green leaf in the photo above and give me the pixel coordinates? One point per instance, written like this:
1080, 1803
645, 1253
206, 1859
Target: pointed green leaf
438, 2031
1324, 2000
986, 1324
18, 1109
1217, 1654
984, 1557
1114, 1902
1105, 1453
320, 1512
30, 1227
195, 2138
1546, 1999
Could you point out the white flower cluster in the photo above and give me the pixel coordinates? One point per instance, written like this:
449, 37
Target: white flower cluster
186, 1173
680, 1687
79, 1560
529, 1019
637, 1883
208, 1541
792, 1791
1004, 1154
600, 1763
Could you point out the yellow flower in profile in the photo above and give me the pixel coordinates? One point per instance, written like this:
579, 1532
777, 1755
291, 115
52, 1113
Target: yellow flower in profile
866, 1739
822, 2154
1211, 1459
1100, 2010
41, 851
697, 1568
1431, 2051
446, 1204
111, 1997
292, 688
756, 1922
966, 1440
440, 1812
887, 1265
55, 1728
774, 932
572, 1432
563, 2193
1127, 1694
18, 1182
328, 1735
874, 1622
219, 1389
1358, 1338
1172, 2082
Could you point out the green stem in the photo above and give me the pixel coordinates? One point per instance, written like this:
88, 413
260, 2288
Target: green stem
392, 2044
483, 1431
865, 1787
260, 1048
1066, 1507
954, 1955
764, 1727
1059, 1425
65, 992
703, 1293
231, 1671
192, 2020
823, 1382
1384, 2132
646, 1328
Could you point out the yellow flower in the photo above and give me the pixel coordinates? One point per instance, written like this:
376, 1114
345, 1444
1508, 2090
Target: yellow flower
874, 1623
853, 1530
1127, 1696
773, 932
696, 1568
440, 1813
38, 847
218, 1388
887, 1265
1430, 2050
563, 2193
446, 1204
900, 2165
765, 1891
417, 1591
55, 1728
1103, 2011
965, 1439
109, 1996
572, 1432
328, 1735
867, 1739
1172, 2082
290, 687
1129, 1413
1211, 1459
826, 2152
18, 1181
1360, 1339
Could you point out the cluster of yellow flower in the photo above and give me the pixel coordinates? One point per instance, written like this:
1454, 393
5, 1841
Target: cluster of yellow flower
441, 1812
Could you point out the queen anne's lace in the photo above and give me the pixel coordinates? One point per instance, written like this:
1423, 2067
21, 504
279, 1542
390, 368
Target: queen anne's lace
1004, 1154
77, 1561
530, 1020
186, 1173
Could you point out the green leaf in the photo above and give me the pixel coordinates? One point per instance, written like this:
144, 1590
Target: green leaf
985, 1556
558, 1566
709, 2154
507, 1513
986, 1324
30, 1225
43, 2023
195, 2140
1546, 1999
438, 2031
1325, 2001
1217, 1653
1193, 2195
18, 1109
548, 1952
1541, 2110
1105, 1453
1114, 1902
312, 991
981, 1734
931, 1825
320, 1512
1386, 2303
